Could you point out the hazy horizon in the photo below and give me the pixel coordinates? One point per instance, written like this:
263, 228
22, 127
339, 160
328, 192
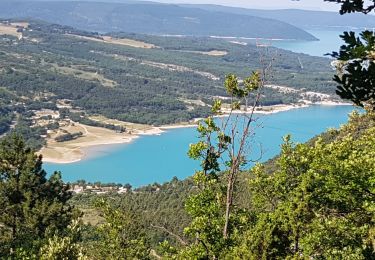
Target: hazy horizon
318, 5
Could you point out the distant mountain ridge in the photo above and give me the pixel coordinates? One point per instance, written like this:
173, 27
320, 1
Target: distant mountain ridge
151, 18
305, 19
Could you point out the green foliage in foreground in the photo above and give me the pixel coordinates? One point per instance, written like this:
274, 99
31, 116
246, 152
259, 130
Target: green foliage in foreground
63, 247
319, 203
33, 207
355, 60
119, 236
314, 200
356, 69
216, 221
352, 6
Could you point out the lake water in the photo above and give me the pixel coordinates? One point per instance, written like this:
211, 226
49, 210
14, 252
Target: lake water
329, 41
159, 158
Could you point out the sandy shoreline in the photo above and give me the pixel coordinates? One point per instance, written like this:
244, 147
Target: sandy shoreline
84, 147
76, 150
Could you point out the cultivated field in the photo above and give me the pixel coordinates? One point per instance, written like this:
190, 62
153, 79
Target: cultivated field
12, 28
111, 40
83, 73
216, 53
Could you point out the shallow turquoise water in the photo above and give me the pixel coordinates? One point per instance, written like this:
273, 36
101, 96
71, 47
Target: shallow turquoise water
158, 158
329, 41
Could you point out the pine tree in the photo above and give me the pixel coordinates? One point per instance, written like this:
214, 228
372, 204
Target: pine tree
32, 206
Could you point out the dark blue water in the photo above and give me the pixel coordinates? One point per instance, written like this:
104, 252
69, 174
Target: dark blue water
158, 158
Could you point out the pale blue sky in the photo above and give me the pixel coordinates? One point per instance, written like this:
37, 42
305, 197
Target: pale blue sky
265, 4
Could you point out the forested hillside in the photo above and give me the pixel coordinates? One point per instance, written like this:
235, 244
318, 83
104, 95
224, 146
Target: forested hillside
136, 78
306, 19
151, 18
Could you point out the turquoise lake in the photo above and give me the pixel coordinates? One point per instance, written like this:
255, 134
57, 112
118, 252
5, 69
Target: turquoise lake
328, 41
159, 158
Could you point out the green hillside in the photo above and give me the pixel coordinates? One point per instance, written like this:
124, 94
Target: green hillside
137, 78
306, 19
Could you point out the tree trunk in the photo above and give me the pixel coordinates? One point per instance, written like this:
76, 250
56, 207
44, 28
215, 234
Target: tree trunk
229, 201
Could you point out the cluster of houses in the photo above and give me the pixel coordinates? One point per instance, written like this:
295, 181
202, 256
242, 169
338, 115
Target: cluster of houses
76, 188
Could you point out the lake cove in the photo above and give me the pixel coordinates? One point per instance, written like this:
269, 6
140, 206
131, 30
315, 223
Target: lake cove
329, 41
159, 158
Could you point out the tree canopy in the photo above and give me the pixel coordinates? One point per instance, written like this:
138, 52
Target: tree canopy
33, 207
351, 6
356, 69
355, 60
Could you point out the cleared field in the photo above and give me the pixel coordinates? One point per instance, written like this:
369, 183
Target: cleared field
86, 75
178, 68
129, 42
126, 42
12, 28
21, 24
9, 30
209, 53
193, 102
130, 127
